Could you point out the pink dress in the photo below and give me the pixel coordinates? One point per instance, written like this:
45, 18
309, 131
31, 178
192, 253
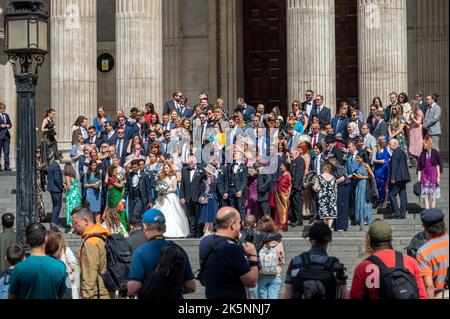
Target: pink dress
416, 136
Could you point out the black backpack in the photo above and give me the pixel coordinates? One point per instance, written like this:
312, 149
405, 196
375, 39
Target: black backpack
397, 282
166, 281
315, 280
418, 241
118, 256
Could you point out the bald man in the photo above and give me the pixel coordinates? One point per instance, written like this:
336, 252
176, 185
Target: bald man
227, 267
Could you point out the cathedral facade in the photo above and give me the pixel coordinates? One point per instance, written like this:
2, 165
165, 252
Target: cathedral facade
124, 53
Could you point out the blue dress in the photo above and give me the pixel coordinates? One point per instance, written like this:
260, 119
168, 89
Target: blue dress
363, 209
93, 196
209, 210
381, 172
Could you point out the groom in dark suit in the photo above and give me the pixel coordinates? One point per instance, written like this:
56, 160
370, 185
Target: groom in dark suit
399, 175
138, 187
191, 177
56, 189
5, 136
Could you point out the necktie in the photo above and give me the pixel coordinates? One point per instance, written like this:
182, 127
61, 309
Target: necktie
315, 140
119, 148
4, 118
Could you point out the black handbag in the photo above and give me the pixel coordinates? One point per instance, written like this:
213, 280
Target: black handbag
417, 189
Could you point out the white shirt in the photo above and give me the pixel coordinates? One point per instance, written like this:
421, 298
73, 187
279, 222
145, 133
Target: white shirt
192, 173
135, 180
84, 133
309, 106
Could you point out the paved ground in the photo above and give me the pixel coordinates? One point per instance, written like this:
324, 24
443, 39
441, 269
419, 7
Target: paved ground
347, 246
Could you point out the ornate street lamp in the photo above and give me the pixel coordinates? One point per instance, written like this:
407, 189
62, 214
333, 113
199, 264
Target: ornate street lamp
26, 42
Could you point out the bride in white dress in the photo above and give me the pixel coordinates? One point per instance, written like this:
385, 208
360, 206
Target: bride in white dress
177, 225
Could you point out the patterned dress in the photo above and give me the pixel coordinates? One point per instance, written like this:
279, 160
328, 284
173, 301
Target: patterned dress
428, 179
327, 198
41, 172
400, 137
73, 199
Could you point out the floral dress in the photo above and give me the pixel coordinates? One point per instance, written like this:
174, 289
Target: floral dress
41, 172
73, 199
400, 137
327, 198
428, 180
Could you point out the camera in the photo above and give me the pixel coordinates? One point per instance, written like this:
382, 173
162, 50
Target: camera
339, 270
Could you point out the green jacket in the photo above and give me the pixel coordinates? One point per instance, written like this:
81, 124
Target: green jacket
7, 239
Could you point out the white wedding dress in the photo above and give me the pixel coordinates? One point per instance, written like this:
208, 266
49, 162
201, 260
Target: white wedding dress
177, 225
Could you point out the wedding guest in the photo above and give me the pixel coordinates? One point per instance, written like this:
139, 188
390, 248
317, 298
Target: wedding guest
73, 194
381, 171
280, 199
326, 187
429, 171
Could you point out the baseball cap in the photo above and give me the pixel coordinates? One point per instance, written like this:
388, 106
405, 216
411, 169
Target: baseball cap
380, 231
432, 216
152, 216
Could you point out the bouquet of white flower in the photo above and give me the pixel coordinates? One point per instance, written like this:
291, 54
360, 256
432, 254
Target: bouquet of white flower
162, 187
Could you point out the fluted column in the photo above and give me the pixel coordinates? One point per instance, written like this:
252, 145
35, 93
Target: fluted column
311, 49
382, 49
73, 29
139, 40
173, 42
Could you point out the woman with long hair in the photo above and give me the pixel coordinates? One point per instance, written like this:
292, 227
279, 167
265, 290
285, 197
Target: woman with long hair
397, 128
101, 119
112, 221
381, 170
73, 194
415, 131
363, 207
378, 103
49, 145
41, 181
280, 199
429, 169
149, 112
116, 183
93, 186
326, 187
271, 258
154, 124
239, 118
168, 202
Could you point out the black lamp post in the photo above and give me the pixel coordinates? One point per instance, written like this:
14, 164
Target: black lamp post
26, 35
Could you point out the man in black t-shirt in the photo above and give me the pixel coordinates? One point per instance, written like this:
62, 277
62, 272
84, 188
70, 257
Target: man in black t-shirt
228, 268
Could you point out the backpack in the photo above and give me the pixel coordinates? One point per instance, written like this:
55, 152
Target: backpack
268, 260
118, 261
397, 282
315, 280
166, 281
417, 241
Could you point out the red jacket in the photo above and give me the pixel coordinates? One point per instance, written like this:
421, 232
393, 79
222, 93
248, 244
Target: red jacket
364, 277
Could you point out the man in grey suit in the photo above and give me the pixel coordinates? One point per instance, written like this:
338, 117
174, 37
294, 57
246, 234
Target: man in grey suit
174, 104
432, 121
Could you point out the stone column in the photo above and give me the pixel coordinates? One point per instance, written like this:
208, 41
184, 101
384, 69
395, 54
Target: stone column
382, 50
311, 49
73, 76
173, 43
139, 37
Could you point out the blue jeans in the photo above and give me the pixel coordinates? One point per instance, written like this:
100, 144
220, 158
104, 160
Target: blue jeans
268, 286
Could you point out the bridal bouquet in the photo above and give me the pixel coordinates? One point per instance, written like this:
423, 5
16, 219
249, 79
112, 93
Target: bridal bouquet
162, 187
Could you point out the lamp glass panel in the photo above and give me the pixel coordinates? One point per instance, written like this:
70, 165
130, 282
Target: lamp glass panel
17, 34
33, 41
43, 35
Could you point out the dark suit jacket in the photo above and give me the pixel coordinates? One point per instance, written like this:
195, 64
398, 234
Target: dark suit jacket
338, 154
169, 107
342, 129
237, 182
113, 141
319, 140
325, 113
4, 132
187, 112
298, 168
399, 171
264, 187
191, 191
222, 180
248, 113
387, 113
304, 104
144, 187
380, 130
98, 142
55, 178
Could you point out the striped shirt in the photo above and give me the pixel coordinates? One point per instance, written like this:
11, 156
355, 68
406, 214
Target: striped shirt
433, 260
